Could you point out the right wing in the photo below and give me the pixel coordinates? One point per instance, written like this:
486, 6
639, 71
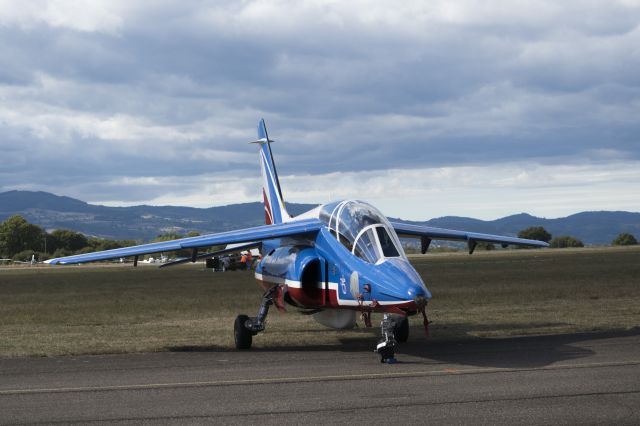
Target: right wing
428, 233
256, 234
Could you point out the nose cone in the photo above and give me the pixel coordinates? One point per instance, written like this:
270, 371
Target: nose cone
419, 291
402, 281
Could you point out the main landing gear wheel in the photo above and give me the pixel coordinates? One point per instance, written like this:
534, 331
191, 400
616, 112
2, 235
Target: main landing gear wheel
245, 328
242, 334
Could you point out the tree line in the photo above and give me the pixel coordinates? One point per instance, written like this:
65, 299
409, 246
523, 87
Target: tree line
20, 240
541, 234
564, 241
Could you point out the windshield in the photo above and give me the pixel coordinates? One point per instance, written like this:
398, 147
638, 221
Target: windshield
362, 229
387, 245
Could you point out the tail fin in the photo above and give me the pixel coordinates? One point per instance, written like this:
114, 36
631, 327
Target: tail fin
274, 208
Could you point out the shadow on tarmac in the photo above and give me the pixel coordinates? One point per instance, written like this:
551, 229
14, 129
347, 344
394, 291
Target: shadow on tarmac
511, 352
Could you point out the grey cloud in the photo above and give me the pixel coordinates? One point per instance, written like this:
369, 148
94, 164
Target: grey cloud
487, 89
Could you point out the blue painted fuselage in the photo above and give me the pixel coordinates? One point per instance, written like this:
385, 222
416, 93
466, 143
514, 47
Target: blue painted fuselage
321, 273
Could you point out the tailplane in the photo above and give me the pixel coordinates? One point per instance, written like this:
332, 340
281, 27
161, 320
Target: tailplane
274, 208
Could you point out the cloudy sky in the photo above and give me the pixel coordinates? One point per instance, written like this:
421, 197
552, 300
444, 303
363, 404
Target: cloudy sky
425, 108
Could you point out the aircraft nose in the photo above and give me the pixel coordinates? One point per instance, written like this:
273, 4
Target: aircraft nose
404, 282
419, 291
401, 281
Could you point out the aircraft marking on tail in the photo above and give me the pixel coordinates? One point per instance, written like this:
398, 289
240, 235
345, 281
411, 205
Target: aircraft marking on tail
268, 219
275, 210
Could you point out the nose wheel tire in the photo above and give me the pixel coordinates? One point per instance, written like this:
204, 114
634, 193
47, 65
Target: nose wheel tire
243, 336
401, 329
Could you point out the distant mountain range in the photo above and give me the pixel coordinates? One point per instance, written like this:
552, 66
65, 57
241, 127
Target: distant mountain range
133, 223
146, 222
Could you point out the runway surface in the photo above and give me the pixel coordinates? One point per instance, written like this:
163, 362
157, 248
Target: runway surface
567, 379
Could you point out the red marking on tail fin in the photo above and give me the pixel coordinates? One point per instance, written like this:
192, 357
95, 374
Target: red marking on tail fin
267, 209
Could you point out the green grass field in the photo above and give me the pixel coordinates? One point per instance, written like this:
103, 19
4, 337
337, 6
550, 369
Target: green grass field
46, 311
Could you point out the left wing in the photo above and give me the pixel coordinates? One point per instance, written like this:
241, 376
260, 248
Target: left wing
428, 233
256, 234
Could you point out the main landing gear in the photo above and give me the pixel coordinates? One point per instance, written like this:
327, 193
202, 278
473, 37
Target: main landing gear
245, 328
394, 330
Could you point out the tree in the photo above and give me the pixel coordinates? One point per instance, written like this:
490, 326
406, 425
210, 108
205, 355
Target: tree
625, 239
173, 236
535, 233
17, 235
67, 240
61, 252
169, 236
23, 256
98, 244
565, 241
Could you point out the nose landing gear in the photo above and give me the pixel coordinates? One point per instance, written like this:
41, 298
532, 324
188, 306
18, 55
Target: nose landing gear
395, 329
387, 346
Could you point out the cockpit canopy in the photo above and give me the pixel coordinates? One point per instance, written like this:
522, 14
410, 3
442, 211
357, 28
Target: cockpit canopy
362, 229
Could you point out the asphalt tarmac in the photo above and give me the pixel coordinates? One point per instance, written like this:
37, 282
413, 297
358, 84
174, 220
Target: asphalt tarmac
566, 379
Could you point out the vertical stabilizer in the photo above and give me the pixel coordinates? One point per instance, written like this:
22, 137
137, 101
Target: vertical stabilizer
274, 209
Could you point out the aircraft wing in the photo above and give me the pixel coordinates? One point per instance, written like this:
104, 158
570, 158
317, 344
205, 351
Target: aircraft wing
428, 233
256, 234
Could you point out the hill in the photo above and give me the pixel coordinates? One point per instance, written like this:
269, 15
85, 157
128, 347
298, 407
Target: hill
592, 228
145, 222
137, 222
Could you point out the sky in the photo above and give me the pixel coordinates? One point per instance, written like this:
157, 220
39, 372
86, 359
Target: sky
423, 108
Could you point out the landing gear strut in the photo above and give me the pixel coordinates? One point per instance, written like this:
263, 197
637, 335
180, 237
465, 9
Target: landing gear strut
245, 328
387, 346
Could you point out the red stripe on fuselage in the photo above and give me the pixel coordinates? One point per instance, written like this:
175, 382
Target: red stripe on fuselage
320, 298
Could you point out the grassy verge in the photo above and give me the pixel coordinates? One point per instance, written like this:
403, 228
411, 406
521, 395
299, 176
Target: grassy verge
107, 309
533, 291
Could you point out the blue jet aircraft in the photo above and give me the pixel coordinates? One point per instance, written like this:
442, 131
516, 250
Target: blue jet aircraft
332, 262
